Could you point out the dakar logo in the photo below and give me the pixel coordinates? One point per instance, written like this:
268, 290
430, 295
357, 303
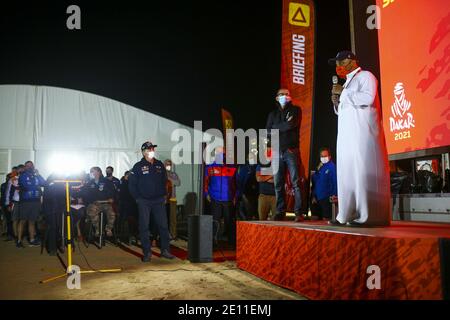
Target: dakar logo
401, 117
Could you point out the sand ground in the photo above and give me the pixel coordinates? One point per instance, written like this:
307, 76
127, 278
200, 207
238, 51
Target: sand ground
22, 269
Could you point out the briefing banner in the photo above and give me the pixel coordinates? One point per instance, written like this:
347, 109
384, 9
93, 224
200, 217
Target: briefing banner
414, 43
297, 69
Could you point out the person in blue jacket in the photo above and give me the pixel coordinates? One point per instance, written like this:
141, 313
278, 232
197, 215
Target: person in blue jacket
324, 184
147, 184
220, 191
30, 184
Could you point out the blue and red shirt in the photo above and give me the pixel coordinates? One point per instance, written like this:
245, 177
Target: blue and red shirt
325, 181
220, 182
31, 185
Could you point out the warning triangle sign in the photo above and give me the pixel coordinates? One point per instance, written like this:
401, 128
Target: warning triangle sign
299, 16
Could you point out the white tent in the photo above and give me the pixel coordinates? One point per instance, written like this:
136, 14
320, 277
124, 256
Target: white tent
58, 127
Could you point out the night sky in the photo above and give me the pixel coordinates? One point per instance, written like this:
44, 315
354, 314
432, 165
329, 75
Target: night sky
182, 60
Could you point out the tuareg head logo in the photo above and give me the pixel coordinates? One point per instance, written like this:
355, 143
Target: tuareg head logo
402, 117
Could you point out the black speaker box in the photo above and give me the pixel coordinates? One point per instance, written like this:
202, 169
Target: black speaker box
200, 239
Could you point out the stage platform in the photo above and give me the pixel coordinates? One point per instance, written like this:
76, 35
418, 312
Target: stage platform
320, 261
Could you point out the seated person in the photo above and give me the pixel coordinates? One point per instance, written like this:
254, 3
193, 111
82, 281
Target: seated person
77, 205
99, 194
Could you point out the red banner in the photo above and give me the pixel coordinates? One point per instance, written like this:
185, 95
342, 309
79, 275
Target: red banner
414, 42
297, 70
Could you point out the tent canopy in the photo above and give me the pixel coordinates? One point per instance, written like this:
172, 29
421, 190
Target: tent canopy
73, 129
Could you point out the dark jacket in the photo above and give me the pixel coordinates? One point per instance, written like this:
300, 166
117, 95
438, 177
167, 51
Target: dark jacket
246, 181
127, 204
101, 191
54, 199
148, 181
3, 194
288, 130
31, 185
116, 183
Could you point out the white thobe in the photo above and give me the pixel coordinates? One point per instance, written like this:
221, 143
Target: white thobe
362, 164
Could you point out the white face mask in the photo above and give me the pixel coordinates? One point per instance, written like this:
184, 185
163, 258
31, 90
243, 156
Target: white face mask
91, 175
168, 168
324, 160
150, 154
219, 158
283, 100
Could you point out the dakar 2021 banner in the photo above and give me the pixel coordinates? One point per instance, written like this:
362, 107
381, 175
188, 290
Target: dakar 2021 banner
414, 44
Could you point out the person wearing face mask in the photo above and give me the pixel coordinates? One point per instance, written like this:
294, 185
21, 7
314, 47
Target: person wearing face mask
99, 194
363, 170
148, 185
285, 118
173, 181
324, 183
116, 182
109, 175
220, 191
30, 185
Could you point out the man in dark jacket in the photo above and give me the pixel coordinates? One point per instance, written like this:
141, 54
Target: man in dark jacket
285, 118
128, 210
99, 193
53, 206
147, 184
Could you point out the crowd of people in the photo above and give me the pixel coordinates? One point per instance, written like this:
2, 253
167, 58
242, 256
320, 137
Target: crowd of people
142, 205
249, 192
144, 196
33, 208
144, 199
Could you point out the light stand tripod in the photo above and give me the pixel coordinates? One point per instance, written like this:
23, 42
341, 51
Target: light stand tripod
69, 240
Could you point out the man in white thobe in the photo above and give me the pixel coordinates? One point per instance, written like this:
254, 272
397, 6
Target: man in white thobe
362, 163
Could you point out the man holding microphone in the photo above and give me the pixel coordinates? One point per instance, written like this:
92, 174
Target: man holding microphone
362, 164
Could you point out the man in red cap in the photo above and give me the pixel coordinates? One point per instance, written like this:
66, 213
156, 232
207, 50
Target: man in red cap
362, 163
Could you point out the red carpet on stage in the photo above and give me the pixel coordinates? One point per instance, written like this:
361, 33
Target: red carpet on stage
328, 262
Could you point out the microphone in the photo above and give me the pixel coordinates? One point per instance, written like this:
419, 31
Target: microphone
335, 80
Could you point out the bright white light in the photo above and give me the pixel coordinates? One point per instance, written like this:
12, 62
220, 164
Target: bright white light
65, 164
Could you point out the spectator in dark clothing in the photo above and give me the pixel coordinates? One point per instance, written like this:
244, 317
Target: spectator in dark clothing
324, 185
99, 195
128, 210
116, 182
247, 191
285, 118
12, 197
5, 210
173, 181
110, 177
148, 185
77, 203
53, 207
